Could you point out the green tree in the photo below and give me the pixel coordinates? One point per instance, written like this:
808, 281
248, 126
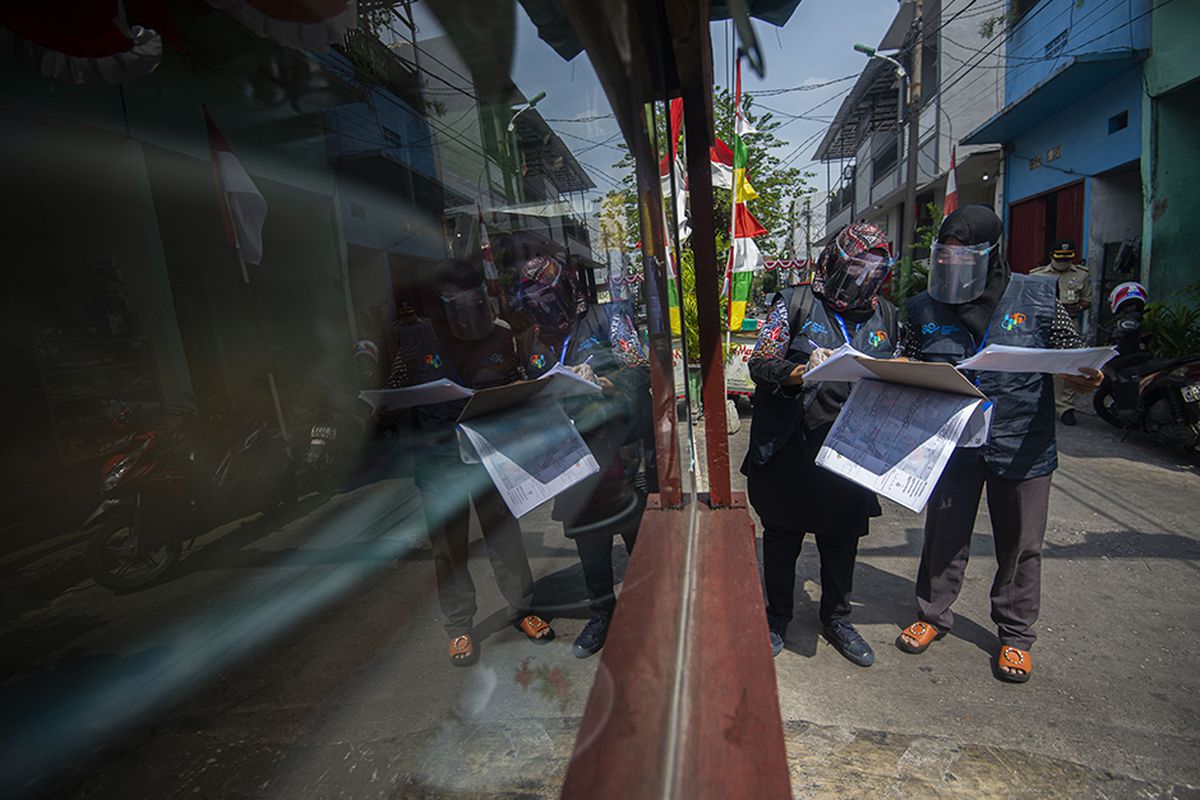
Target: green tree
776, 183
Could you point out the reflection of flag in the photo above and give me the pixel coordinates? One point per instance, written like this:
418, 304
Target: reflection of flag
243, 208
485, 247
680, 197
722, 164
951, 185
673, 307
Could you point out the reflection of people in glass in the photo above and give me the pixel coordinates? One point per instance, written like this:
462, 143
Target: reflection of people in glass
790, 493
470, 347
601, 344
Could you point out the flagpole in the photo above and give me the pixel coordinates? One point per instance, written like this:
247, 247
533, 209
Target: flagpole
270, 373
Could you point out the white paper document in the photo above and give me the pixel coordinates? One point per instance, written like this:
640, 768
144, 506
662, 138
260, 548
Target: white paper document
531, 452
840, 366
1006, 358
895, 440
423, 394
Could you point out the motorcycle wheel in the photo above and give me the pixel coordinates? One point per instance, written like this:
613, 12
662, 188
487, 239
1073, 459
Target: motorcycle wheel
113, 563
1106, 406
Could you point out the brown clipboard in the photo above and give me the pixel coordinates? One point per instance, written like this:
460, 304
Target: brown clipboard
922, 374
489, 401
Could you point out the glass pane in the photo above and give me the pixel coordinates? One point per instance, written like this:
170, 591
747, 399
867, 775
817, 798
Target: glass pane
328, 355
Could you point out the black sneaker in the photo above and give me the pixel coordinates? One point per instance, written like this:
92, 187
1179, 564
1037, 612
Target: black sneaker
1068, 417
845, 639
591, 638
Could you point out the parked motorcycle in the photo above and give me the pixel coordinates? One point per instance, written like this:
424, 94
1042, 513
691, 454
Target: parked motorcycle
1160, 397
161, 487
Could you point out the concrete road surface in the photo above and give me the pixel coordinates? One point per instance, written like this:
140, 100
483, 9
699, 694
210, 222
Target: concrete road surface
303, 657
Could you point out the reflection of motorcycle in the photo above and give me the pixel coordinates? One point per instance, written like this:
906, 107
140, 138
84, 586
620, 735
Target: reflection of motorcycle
161, 488
1159, 397
335, 440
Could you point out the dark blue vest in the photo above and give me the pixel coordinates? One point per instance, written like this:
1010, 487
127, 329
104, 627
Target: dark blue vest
1021, 443
778, 413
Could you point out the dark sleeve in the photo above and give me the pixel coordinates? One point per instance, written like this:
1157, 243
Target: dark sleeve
767, 364
1063, 333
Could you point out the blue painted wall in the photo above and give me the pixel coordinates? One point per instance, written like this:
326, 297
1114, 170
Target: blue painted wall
1081, 130
1089, 26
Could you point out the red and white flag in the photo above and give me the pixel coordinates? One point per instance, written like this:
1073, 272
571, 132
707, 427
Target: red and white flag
243, 208
951, 186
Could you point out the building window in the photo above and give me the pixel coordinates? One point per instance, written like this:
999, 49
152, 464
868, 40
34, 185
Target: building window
885, 158
1022, 7
1118, 122
1056, 45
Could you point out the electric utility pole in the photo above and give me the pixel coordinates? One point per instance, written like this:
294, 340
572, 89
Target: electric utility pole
808, 227
914, 137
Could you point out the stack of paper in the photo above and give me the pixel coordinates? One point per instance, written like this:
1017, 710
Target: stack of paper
1006, 358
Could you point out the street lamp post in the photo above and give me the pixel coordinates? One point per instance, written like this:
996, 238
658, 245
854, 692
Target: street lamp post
909, 220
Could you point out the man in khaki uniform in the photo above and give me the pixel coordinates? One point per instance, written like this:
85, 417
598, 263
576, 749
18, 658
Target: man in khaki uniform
1075, 294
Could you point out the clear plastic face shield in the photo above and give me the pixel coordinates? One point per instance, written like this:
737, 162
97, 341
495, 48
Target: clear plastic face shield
858, 278
468, 313
958, 272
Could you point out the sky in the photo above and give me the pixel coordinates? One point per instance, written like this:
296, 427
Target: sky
815, 46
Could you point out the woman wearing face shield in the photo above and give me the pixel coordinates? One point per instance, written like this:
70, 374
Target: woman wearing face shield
790, 493
974, 300
599, 343
469, 346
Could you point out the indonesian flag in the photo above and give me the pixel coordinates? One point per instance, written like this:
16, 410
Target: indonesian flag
243, 208
951, 186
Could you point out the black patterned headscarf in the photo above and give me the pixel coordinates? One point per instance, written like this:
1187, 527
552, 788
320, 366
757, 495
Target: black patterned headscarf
853, 240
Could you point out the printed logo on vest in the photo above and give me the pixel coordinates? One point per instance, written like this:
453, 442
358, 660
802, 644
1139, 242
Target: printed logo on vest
933, 327
1013, 320
814, 326
538, 361
433, 359
878, 338
495, 358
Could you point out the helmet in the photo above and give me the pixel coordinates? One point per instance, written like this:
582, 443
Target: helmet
365, 347
853, 266
547, 292
1128, 292
1064, 250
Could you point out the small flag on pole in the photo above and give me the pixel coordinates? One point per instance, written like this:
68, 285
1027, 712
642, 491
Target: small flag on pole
744, 259
951, 185
243, 208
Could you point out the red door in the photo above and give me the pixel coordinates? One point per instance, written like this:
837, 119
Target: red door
1068, 222
1027, 234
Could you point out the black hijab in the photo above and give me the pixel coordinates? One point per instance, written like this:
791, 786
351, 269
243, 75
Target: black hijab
978, 224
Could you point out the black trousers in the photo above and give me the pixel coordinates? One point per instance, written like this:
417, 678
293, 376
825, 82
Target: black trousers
781, 549
448, 487
595, 556
1018, 510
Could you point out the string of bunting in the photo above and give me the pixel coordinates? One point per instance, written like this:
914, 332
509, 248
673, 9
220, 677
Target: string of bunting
786, 263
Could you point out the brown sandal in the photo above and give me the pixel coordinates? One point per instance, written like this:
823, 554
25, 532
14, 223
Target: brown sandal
536, 629
462, 650
1015, 659
922, 633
